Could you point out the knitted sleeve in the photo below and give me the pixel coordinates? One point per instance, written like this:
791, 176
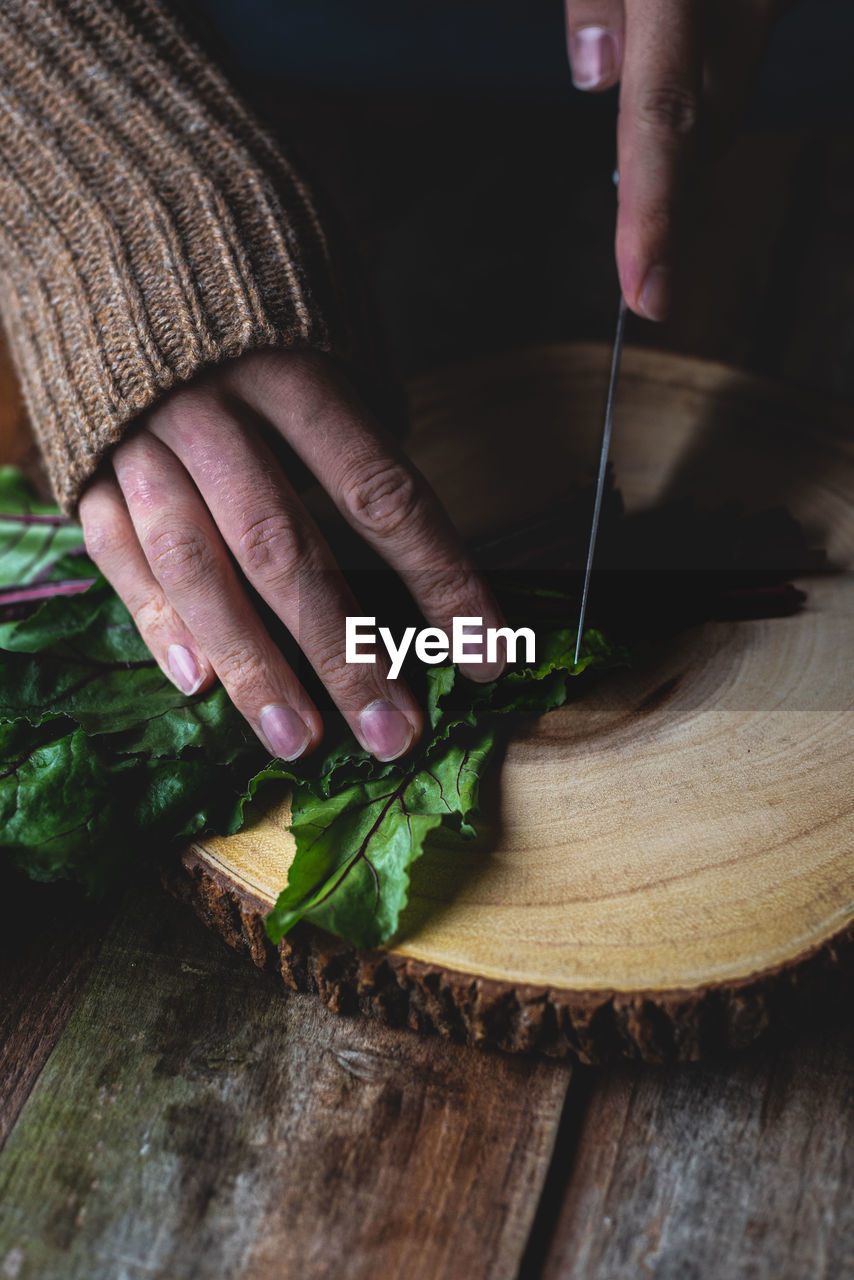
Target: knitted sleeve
149, 227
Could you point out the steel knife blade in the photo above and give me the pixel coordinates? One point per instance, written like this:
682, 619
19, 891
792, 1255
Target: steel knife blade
603, 464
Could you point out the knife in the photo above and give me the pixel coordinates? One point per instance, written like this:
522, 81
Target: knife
603, 464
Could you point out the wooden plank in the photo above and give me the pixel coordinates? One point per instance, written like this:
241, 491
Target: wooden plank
48, 942
741, 1169
194, 1120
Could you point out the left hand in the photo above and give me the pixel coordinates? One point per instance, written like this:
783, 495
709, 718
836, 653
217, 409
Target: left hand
685, 69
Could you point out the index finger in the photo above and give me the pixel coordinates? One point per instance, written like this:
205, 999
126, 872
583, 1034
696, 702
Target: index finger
377, 490
659, 112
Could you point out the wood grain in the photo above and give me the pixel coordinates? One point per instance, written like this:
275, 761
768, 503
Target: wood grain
193, 1123
716, 1171
670, 850
49, 939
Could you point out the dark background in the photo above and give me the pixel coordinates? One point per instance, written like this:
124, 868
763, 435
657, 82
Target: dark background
474, 182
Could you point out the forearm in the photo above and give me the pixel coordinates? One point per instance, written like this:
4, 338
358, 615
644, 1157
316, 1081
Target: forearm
148, 226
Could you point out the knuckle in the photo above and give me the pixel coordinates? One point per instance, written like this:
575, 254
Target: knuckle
190, 421
243, 673
151, 614
451, 589
381, 497
272, 542
137, 466
670, 108
195, 403
335, 673
99, 538
178, 557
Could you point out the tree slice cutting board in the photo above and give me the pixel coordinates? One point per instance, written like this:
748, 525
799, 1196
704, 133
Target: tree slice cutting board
668, 863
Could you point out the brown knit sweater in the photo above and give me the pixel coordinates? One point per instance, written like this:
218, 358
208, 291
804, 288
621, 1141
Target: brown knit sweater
149, 227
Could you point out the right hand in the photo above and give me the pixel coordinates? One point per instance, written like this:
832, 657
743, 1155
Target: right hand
685, 71
196, 479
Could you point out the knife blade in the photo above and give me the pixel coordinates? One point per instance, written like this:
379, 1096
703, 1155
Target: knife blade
603, 464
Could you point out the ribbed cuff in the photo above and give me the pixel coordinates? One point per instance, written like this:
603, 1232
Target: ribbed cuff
149, 228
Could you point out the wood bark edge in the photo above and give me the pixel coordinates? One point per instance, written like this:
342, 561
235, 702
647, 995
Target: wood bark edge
593, 1026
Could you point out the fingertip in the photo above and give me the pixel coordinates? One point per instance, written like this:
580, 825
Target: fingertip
654, 299
387, 731
184, 669
594, 58
411, 711
486, 670
285, 732
314, 721
647, 290
208, 680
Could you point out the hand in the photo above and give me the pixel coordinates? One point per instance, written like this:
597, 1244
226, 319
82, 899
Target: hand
197, 480
685, 68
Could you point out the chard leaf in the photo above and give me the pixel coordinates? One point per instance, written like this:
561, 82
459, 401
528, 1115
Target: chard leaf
355, 849
36, 542
84, 659
356, 841
58, 797
101, 758
71, 810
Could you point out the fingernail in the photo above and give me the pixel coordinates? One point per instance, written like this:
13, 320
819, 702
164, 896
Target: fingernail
287, 733
184, 668
483, 671
654, 300
592, 56
386, 731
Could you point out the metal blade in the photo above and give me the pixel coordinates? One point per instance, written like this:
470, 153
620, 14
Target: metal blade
603, 464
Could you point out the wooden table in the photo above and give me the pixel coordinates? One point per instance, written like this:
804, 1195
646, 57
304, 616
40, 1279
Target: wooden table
167, 1111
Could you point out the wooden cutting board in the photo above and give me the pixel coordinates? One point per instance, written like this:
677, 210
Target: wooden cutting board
667, 864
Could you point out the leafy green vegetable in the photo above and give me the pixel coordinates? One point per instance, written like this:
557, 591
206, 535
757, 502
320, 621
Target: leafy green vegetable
101, 758
355, 846
36, 542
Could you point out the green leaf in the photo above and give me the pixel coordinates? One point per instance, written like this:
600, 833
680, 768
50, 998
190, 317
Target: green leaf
81, 657
58, 797
355, 849
34, 550
70, 810
356, 842
101, 757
